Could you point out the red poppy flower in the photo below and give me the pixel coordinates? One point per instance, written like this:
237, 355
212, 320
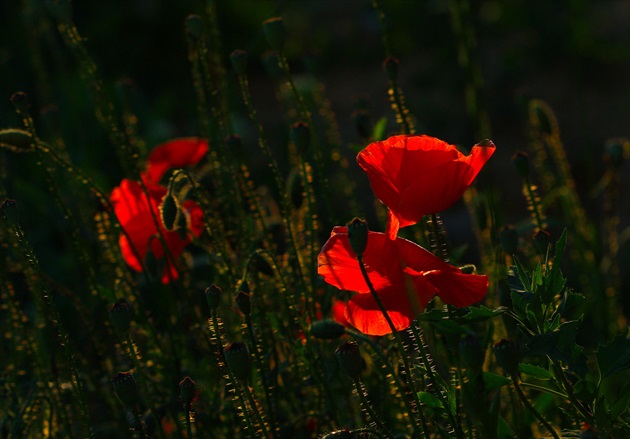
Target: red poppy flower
177, 153
404, 275
419, 175
339, 312
134, 213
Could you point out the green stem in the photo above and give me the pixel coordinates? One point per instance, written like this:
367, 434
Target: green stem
188, 423
254, 406
143, 382
429, 368
440, 246
399, 343
368, 408
259, 364
559, 374
531, 408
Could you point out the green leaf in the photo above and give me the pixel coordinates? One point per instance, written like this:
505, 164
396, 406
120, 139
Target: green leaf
430, 400
614, 357
560, 247
522, 274
482, 313
494, 381
378, 133
560, 345
435, 315
537, 278
535, 371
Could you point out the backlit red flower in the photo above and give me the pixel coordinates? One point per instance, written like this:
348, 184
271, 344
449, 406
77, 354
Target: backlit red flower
419, 175
133, 210
404, 275
177, 153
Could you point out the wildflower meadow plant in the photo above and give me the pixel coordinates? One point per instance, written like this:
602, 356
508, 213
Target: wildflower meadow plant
207, 287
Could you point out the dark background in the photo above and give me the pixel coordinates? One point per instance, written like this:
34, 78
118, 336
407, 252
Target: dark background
573, 54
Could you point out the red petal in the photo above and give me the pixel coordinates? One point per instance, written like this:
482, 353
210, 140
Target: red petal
338, 264
364, 314
339, 312
177, 153
458, 289
418, 175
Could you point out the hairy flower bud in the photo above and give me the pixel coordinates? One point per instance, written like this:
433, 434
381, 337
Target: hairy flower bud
126, 389
238, 58
120, 316
238, 360
350, 359
521, 162
508, 355
244, 303
301, 137
358, 235
213, 296
275, 32
188, 391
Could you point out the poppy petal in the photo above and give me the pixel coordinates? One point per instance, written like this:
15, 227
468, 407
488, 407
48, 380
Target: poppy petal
177, 153
457, 288
364, 314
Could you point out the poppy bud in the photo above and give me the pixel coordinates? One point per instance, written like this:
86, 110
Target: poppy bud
238, 58
19, 99
327, 329
244, 303
543, 121
350, 359
521, 161
213, 296
362, 123
509, 239
471, 352
182, 225
238, 360
541, 241
16, 140
188, 391
126, 389
391, 67
170, 211
194, 26
234, 145
275, 32
508, 355
301, 136
358, 235
120, 316
295, 189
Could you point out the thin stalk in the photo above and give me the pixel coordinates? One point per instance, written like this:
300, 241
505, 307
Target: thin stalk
368, 408
399, 343
559, 374
254, 406
189, 433
259, 364
440, 246
143, 381
429, 368
531, 408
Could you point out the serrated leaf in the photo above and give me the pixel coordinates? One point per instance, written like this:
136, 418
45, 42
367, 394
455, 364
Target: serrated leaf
482, 313
429, 400
535, 371
514, 282
522, 274
560, 345
435, 315
494, 381
614, 357
378, 133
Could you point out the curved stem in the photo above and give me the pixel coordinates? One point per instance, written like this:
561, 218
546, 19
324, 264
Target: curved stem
531, 408
399, 343
368, 408
254, 406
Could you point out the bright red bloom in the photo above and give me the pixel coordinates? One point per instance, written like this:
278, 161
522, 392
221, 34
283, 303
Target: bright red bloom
339, 312
134, 213
177, 153
419, 175
401, 272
